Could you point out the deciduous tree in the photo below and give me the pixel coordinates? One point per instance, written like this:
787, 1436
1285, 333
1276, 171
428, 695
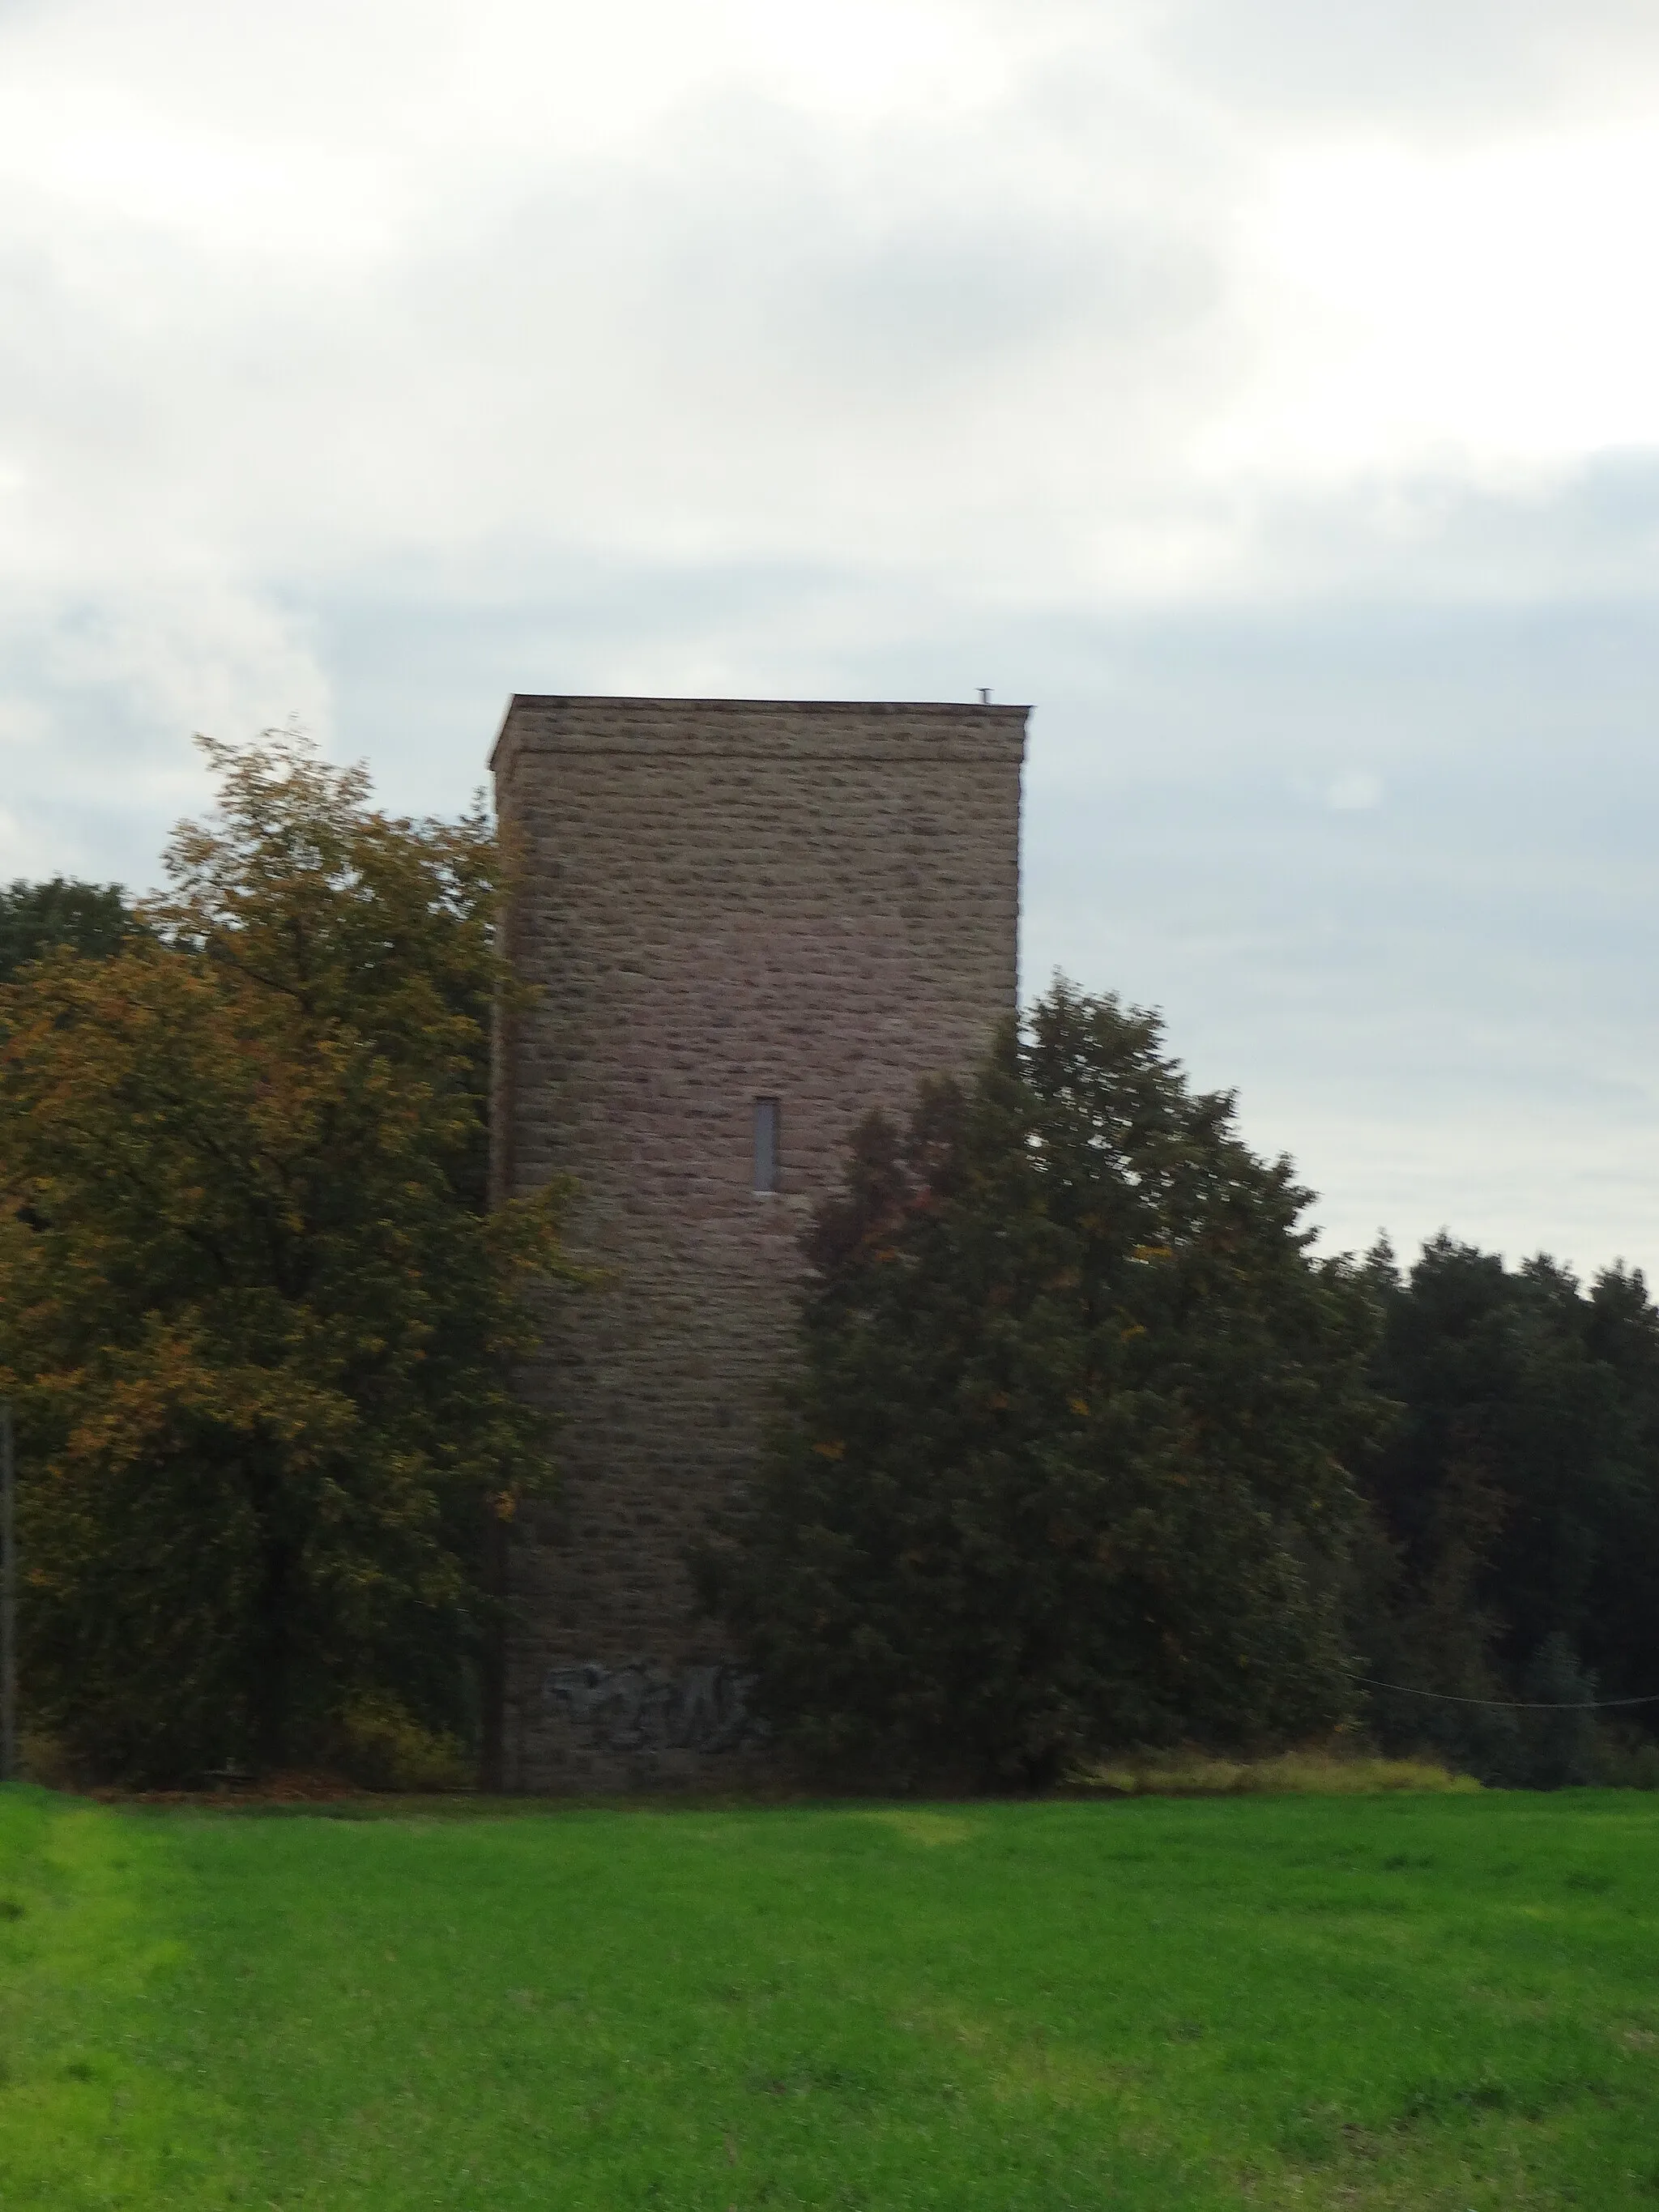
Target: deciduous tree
255, 1312
1067, 1463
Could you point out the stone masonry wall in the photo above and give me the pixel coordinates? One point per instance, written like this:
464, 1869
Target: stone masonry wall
720, 899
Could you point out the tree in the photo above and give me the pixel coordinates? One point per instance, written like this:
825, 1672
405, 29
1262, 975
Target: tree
1067, 1461
255, 1314
94, 918
1519, 1493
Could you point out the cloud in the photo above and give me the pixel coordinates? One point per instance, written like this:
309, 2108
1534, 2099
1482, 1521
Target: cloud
1353, 793
1433, 72
1442, 1005
1264, 391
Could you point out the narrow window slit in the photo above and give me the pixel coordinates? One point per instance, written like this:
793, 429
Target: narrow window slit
767, 1141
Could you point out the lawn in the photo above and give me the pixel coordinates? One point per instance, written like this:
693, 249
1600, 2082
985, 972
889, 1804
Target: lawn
1423, 2002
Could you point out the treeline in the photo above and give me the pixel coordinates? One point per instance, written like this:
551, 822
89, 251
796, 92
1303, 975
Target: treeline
1510, 1550
1084, 1448
36, 919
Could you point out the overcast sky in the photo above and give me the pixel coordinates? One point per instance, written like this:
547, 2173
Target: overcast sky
1267, 389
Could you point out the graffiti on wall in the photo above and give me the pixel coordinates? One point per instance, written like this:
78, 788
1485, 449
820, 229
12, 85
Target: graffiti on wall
641, 1708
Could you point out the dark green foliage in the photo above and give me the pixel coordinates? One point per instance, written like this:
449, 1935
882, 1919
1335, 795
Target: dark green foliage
1518, 1500
91, 918
1559, 1748
1068, 1461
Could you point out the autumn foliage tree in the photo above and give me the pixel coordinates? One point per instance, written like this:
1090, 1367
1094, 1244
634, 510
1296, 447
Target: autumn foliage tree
253, 1309
1067, 1463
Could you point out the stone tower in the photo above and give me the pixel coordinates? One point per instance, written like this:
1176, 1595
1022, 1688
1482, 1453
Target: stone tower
746, 922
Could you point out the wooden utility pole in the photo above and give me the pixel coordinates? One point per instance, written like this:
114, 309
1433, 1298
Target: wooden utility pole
8, 1598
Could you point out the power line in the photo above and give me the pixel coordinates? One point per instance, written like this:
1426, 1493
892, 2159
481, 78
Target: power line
1509, 1705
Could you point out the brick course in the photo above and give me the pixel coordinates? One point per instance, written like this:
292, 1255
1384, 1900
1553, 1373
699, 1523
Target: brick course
719, 900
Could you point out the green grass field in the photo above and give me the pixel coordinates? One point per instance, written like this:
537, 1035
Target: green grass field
1423, 2002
